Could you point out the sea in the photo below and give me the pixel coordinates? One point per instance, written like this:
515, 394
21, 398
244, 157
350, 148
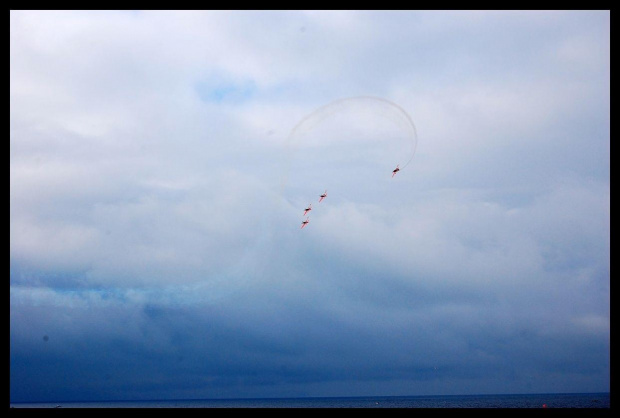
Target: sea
562, 400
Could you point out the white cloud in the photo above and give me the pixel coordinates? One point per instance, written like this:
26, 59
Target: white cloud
149, 160
112, 138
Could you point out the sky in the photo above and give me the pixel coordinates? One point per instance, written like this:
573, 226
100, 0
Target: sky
161, 162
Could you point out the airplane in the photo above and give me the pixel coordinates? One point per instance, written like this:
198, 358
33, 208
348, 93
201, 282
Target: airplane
323, 196
308, 209
396, 170
304, 223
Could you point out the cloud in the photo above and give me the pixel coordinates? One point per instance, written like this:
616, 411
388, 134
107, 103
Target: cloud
156, 197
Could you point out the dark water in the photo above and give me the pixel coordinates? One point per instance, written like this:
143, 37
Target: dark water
567, 400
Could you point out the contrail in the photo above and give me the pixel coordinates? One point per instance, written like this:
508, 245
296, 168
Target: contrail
319, 114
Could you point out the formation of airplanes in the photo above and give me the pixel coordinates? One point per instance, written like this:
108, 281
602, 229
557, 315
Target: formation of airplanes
323, 196
309, 208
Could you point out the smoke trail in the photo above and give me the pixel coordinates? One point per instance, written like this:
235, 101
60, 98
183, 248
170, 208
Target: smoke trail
378, 106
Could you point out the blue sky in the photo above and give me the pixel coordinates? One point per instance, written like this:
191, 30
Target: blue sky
158, 187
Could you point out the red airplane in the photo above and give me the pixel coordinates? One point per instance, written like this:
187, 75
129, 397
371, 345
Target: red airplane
304, 223
396, 170
308, 209
323, 196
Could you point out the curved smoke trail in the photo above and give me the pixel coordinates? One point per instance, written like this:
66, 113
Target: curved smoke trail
321, 113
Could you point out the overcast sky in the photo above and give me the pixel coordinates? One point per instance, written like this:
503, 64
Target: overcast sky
161, 162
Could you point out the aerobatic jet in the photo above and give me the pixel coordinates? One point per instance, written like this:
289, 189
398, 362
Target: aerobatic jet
323, 196
304, 223
396, 170
308, 209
